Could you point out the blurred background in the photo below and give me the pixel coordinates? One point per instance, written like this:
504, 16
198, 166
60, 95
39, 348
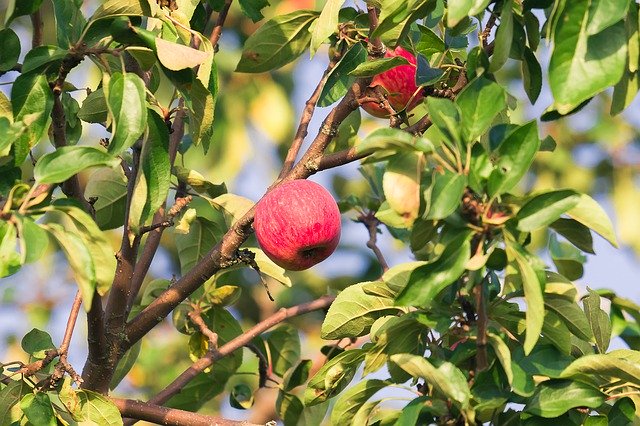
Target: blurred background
255, 119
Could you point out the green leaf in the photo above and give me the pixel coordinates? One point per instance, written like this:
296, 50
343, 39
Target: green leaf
297, 375
18, 8
109, 189
479, 102
556, 397
43, 58
279, 41
126, 101
446, 378
378, 66
571, 315
594, 60
289, 408
352, 399
514, 156
122, 8
36, 343
386, 142
545, 208
396, 18
445, 195
10, 395
339, 80
428, 280
94, 108
80, 260
577, 234
201, 237
61, 164
284, 347
241, 397
32, 102
253, 8
598, 321
96, 242
37, 409
592, 368
605, 13
270, 269
10, 260
622, 413
10, 49
353, 312
531, 75
429, 42
457, 10
532, 286
33, 239
98, 409
152, 185
69, 22
503, 354
333, 377
326, 24
504, 37
589, 213
446, 116
425, 74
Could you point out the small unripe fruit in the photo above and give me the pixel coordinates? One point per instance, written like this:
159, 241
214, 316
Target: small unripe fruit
297, 224
400, 84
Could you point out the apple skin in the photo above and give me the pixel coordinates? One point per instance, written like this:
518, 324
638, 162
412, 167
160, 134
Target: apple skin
297, 224
399, 82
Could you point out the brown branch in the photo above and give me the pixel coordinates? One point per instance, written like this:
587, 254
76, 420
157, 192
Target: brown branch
307, 115
36, 22
71, 323
376, 48
217, 29
169, 416
329, 161
196, 317
245, 338
370, 221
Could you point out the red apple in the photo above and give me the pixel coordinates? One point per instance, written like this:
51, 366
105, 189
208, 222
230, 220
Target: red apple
297, 224
400, 84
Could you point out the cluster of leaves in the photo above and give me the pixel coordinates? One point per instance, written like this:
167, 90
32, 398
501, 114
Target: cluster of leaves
449, 327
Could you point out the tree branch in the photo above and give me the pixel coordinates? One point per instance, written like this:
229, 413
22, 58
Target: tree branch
36, 22
169, 416
307, 114
237, 343
217, 29
371, 223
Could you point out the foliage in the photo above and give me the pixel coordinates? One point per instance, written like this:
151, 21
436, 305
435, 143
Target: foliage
484, 325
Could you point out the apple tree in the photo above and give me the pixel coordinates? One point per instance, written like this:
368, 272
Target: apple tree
125, 127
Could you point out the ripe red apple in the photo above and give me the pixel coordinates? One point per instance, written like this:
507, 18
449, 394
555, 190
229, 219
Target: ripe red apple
399, 82
297, 224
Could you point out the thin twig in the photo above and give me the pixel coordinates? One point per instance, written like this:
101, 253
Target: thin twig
307, 114
71, 323
371, 223
196, 317
206, 361
217, 29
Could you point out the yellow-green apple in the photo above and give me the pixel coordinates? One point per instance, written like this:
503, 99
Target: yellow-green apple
297, 224
399, 83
